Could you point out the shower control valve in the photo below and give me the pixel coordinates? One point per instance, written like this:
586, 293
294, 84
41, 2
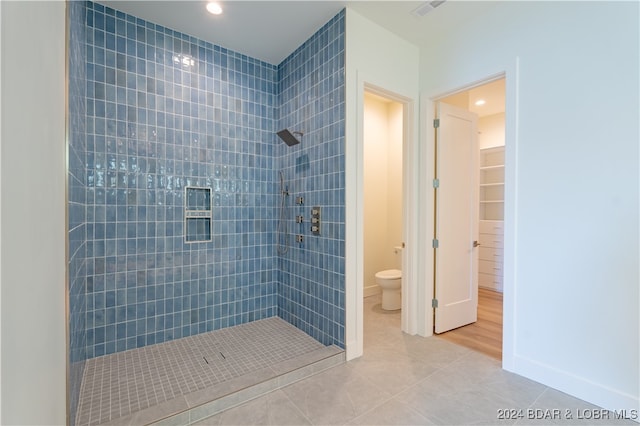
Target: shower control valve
315, 220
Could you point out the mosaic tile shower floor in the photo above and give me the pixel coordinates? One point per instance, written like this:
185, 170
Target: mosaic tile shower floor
119, 384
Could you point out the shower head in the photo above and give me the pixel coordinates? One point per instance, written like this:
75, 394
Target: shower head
288, 137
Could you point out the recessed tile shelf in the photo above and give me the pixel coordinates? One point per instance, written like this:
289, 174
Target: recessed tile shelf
197, 215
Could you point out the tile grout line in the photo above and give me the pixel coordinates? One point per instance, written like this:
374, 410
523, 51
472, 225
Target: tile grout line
396, 395
546, 388
295, 405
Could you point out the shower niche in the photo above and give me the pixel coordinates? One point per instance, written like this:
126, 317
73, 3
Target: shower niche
197, 214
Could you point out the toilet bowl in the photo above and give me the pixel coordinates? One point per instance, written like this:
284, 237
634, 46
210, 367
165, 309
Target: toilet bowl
390, 281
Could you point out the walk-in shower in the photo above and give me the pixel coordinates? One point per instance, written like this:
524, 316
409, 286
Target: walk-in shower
144, 127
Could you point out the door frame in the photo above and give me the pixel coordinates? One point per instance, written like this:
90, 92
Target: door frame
354, 206
428, 99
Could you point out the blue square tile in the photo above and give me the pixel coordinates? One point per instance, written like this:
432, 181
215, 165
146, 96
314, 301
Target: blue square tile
217, 132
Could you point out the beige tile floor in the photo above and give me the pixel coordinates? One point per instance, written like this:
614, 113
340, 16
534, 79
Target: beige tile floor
406, 380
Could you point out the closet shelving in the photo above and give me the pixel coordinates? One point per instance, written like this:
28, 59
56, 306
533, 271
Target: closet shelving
491, 218
492, 183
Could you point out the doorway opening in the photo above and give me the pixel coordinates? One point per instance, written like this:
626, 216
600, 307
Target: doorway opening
487, 103
382, 175
386, 183
382, 172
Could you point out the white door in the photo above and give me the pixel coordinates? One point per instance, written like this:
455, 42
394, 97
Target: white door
456, 257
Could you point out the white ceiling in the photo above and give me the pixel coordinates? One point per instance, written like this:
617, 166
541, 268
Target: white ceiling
271, 30
494, 96
492, 93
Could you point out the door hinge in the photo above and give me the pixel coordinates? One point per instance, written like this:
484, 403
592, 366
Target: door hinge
434, 303
436, 123
434, 243
436, 183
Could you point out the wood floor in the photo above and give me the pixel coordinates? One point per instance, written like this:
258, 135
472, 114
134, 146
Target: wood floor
485, 335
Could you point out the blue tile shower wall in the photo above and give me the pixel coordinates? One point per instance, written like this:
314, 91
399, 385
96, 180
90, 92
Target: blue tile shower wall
311, 100
165, 110
76, 194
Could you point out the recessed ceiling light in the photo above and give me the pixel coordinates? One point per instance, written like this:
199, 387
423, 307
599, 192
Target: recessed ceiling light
480, 102
214, 8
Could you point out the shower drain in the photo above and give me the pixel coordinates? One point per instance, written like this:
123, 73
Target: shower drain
224, 358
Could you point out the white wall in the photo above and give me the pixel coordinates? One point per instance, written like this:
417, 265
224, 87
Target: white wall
376, 57
394, 177
375, 172
491, 128
382, 174
572, 217
32, 167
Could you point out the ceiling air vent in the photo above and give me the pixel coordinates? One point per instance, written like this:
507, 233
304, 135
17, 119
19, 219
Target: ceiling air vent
426, 7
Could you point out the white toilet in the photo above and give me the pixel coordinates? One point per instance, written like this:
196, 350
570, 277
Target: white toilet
390, 281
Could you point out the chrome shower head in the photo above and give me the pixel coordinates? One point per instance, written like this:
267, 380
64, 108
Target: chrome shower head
288, 137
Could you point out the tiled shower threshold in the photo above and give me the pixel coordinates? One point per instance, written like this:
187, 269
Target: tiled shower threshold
187, 380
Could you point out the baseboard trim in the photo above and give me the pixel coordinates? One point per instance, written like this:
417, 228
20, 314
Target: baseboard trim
371, 290
579, 387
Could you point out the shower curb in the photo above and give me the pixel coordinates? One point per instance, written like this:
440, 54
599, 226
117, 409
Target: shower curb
197, 406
